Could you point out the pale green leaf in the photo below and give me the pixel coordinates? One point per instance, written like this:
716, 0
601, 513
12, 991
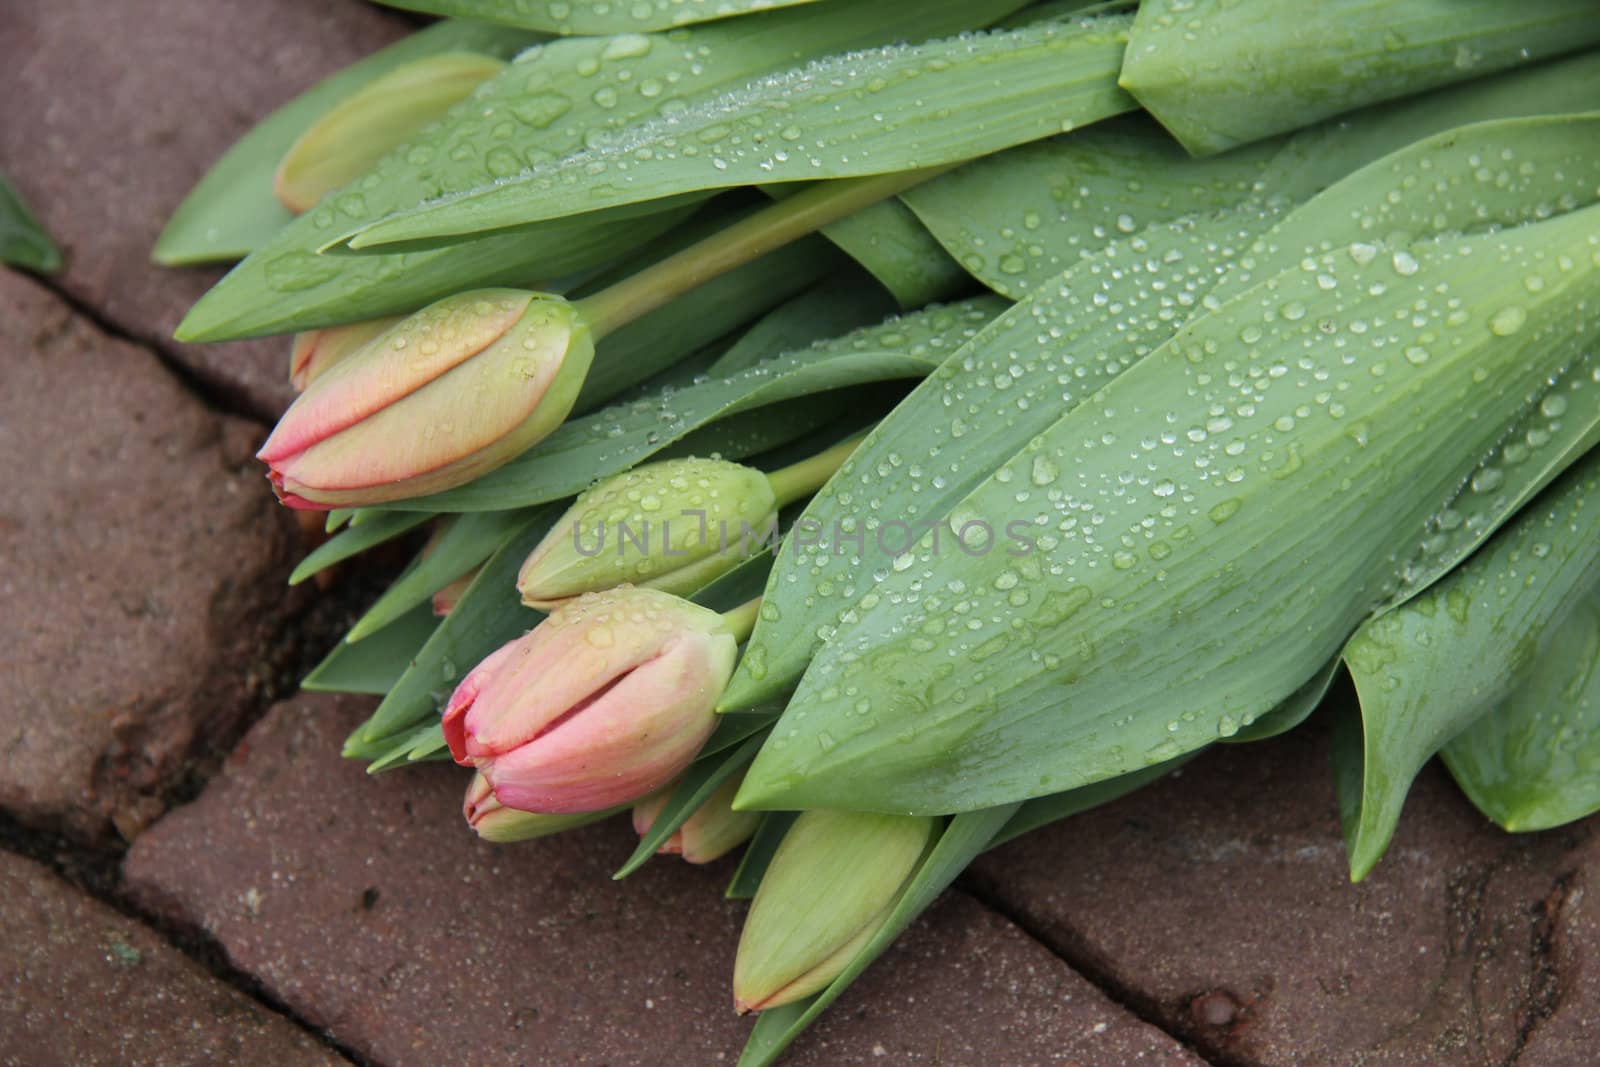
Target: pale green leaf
1069, 338
895, 108
355, 539
595, 17
466, 541
1213, 526
374, 666
836, 306
1533, 762
1427, 670
1219, 73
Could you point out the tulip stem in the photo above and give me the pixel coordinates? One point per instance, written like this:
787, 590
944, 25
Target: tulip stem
741, 620
743, 242
806, 477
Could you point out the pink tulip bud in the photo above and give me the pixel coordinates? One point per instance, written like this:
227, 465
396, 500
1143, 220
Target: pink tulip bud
493, 821
714, 830
444, 601
316, 350
446, 395
609, 698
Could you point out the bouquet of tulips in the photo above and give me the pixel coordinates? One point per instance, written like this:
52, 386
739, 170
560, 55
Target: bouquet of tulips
871, 431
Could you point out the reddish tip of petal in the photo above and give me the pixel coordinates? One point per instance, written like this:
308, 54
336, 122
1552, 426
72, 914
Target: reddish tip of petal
293, 500
455, 723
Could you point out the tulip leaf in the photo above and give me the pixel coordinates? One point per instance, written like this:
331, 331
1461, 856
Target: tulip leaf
1219, 73
758, 854
612, 441
832, 307
899, 107
232, 210
965, 836
1531, 763
466, 541
355, 539
590, 17
896, 248
1255, 477
1017, 219
988, 399
489, 614
654, 342
425, 743
1295, 709
703, 778
1041, 811
549, 103
23, 242
1150, 283
1427, 670
373, 666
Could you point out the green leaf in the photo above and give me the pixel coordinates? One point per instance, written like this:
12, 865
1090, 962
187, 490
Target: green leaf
551, 104
1530, 763
897, 108
835, 306
983, 403
965, 837
703, 778
889, 241
1219, 73
426, 743
357, 538
1429, 669
23, 242
489, 614
1018, 218
232, 210
758, 854
1041, 811
612, 441
590, 17
1052, 351
1294, 710
654, 342
465, 542
1217, 522
374, 666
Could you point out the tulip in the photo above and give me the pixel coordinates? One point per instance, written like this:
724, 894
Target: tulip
445, 600
314, 351
448, 394
828, 890
714, 829
493, 821
674, 526
373, 121
608, 699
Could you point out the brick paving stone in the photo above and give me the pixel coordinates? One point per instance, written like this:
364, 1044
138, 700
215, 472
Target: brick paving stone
143, 578
115, 110
83, 986
1218, 902
1569, 1033
365, 905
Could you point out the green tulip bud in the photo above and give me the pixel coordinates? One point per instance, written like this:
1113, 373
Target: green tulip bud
829, 888
381, 116
673, 526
